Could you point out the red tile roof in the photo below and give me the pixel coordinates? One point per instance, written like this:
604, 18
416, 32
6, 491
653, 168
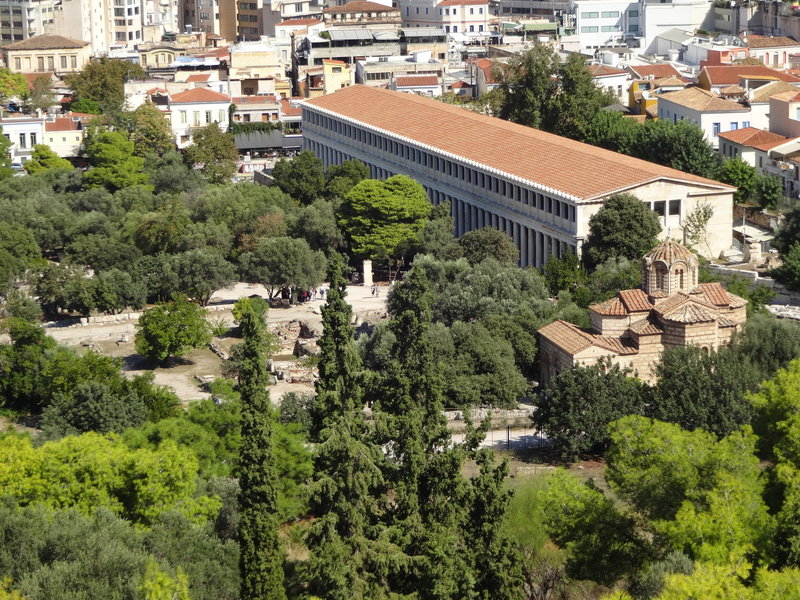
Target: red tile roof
610, 308
332, 61
696, 98
198, 95
604, 71
715, 293
566, 336
486, 65
461, 84
62, 124
417, 80
156, 90
489, 141
730, 74
750, 136
635, 300
654, 71
287, 110
31, 77
669, 251
358, 6
646, 327
46, 42
763, 41
198, 77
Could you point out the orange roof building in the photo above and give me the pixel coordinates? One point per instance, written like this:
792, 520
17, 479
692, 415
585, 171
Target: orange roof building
632, 329
538, 187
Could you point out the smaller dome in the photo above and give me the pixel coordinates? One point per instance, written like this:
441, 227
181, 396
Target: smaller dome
669, 252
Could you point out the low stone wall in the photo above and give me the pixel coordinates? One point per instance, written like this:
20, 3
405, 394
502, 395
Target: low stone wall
119, 318
783, 296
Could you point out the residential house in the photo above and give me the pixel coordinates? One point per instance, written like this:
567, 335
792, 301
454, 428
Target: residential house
64, 135
423, 85
758, 99
46, 54
485, 80
671, 309
24, 132
610, 79
331, 76
459, 16
772, 51
705, 109
656, 71
747, 76
745, 144
194, 109
643, 94
362, 13
379, 72
286, 32
256, 109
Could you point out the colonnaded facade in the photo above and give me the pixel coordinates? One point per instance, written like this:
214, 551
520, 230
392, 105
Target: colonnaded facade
539, 188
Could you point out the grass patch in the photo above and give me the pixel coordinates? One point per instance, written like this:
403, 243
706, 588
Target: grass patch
525, 518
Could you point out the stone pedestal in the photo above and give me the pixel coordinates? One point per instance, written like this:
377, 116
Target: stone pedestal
367, 273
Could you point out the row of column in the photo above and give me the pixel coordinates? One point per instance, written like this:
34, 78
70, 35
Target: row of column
534, 246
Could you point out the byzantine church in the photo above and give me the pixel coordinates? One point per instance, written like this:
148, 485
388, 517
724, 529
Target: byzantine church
633, 328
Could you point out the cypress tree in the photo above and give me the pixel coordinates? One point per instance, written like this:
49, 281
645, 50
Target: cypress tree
347, 491
260, 554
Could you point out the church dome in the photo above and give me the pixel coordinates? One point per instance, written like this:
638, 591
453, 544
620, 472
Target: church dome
669, 252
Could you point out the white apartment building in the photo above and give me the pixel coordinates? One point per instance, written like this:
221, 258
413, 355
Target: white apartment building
602, 23
472, 161
705, 109
24, 132
659, 17
194, 109
454, 16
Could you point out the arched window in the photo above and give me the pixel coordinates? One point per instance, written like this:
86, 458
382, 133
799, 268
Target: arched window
679, 274
661, 278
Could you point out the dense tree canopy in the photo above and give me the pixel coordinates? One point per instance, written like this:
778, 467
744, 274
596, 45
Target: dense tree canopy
103, 81
624, 227
171, 330
214, 153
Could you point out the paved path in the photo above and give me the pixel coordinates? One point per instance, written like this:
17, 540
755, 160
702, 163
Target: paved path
509, 439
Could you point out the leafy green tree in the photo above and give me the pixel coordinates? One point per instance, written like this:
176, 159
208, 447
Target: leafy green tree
85, 106
171, 330
158, 585
436, 238
41, 95
114, 165
19, 252
681, 146
488, 242
789, 272
769, 343
564, 273
215, 151
5, 157
103, 81
282, 262
261, 556
170, 173
93, 406
201, 272
576, 426
151, 133
12, 85
163, 230
613, 131
578, 100
381, 220
316, 223
303, 177
777, 412
624, 227
340, 179
697, 389
527, 86
735, 171
788, 233
601, 542
44, 158
613, 275
116, 290
768, 191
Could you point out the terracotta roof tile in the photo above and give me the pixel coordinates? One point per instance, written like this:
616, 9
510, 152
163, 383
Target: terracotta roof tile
358, 6
635, 300
46, 42
702, 100
566, 336
765, 92
63, 124
669, 251
198, 95
715, 293
287, 110
654, 71
646, 327
486, 65
750, 136
615, 344
486, 140
726, 322
763, 41
417, 80
690, 313
729, 74
198, 77
611, 308
603, 70
298, 22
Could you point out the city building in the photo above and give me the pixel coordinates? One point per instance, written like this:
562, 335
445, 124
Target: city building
772, 51
21, 19
539, 188
747, 76
46, 54
194, 109
362, 13
64, 135
706, 110
379, 72
24, 132
458, 16
423, 85
601, 23
670, 310
611, 79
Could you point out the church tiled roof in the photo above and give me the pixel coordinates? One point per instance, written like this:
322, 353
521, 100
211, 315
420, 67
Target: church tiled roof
635, 300
610, 308
646, 327
669, 252
690, 312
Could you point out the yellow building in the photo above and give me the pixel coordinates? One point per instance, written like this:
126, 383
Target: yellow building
47, 54
331, 76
